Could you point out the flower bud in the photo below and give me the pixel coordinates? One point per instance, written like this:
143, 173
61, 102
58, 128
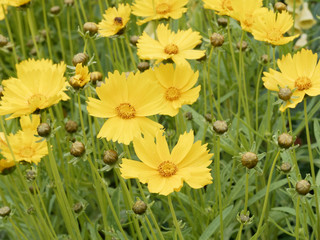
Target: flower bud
216, 39
285, 140
223, 22
243, 46
244, 218
265, 58
208, 117
220, 127
95, 76
69, 3
249, 160
279, 6
77, 149
285, 93
134, 40
3, 40
5, 211
31, 175
110, 157
80, 58
90, 27
139, 207
303, 187
188, 116
44, 130
55, 10
142, 66
77, 208
285, 167
71, 126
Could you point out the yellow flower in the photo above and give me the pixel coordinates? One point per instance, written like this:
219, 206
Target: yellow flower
270, 27
300, 73
243, 11
24, 144
176, 46
126, 102
3, 11
81, 78
156, 9
176, 85
114, 20
15, 3
39, 84
6, 164
222, 7
165, 172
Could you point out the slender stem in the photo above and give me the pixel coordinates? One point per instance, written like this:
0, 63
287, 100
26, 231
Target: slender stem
297, 218
33, 31
175, 221
218, 183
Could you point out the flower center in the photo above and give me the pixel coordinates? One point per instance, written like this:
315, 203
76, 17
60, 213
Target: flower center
36, 100
162, 8
274, 35
303, 83
167, 169
171, 49
118, 21
226, 4
172, 94
27, 152
126, 111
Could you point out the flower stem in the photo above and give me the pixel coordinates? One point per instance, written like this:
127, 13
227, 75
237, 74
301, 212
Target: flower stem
175, 221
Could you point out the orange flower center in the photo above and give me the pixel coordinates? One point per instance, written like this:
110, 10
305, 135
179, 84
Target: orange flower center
118, 21
274, 34
226, 4
303, 83
172, 94
167, 169
171, 49
36, 100
27, 152
162, 8
126, 111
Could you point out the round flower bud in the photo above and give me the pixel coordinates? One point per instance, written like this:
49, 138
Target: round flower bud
265, 58
285, 93
55, 10
249, 160
3, 41
139, 207
77, 208
223, 22
285, 167
208, 117
220, 127
71, 126
303, 187
69, 3
279, 6
142, 66
216, 39
44, 129
134, 40
74, 83
5, 211
77, 149
91, 27
31, 175
110, 157
243, 47
285, 140
244, 218
95, 76
80, 58
188, 116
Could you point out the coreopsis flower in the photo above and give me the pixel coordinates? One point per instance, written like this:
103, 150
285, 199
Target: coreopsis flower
81, 77
176, 84
176, 46
243, 11
39, 84
24, 144
114, 20
157, 9
165, 172
221, 7
300, 74
126, 102
3, 11
270, 27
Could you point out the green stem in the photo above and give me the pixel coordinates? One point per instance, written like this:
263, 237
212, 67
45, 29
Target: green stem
218, 183
33, 31
297, 218
174, 217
